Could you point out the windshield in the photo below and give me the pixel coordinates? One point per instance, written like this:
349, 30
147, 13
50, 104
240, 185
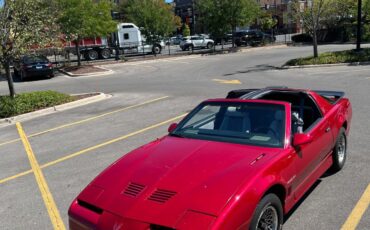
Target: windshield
258, 124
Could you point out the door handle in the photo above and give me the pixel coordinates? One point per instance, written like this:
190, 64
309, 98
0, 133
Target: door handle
327, 129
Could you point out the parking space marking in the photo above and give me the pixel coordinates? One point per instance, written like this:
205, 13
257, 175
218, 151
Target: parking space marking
175, 61
51, 207
87, 119
358, 211
92, 148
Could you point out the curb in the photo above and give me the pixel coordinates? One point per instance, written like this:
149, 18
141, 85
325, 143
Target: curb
262, 48
105, 72
326, 65
54, 109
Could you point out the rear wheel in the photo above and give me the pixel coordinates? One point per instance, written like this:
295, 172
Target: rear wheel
156, 49
105, 54
92, 55
16, 73
22, 75
339, 151
268, 214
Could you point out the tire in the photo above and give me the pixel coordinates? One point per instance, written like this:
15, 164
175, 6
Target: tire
92, 55
51, 75
16, 73
156, 49
339, 152
209, 45
269, 205
22, 75
105, 53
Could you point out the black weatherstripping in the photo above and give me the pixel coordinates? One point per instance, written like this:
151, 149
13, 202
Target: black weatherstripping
90, 207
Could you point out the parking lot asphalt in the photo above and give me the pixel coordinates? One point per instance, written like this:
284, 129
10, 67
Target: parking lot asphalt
72, 147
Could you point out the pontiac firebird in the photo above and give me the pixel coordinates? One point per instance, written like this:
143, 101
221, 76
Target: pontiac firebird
235, 163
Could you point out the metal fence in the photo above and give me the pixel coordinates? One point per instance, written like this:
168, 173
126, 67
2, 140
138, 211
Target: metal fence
62, 58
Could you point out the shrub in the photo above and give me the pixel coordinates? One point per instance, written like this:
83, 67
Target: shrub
28, 102
185, 30
346, 56
302, 38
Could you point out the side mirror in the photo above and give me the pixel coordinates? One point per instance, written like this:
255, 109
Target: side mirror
301, 139
172, 127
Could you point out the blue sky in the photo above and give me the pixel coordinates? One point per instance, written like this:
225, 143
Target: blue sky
166, 0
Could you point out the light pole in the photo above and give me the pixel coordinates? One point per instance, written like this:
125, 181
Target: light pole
359, 17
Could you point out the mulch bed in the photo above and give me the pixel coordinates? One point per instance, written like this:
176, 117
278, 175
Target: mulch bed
85, 69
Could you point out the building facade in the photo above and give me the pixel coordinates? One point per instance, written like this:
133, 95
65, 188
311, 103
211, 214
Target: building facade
279, 9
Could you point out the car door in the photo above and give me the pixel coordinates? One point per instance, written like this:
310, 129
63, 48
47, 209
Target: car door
310, 156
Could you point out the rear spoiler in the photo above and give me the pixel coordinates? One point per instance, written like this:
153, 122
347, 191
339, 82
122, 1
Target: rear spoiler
332, 96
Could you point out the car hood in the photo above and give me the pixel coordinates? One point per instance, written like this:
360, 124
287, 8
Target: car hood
167, 177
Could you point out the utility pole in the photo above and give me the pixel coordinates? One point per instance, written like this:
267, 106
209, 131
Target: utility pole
359, 18
193, 14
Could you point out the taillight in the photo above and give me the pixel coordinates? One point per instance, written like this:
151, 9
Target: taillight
27, 66
49, 65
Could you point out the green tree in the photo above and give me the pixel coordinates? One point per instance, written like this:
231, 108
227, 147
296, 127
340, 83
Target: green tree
267, 21
24, 25
155, 17
185, 30
314, 17
85, 18
221, 16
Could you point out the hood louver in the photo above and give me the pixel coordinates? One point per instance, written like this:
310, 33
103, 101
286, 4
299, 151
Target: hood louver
133, 189
161, 195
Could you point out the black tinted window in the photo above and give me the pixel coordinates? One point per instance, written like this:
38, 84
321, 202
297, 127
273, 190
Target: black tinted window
34, 59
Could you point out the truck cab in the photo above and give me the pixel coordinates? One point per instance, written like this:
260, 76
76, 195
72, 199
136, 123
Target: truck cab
130, 40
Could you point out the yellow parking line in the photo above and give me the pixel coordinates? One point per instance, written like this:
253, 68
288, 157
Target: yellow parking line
92, 148
51, 207
86, 120
358, 211
15, 176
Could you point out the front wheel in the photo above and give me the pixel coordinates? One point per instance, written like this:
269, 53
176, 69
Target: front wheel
339, 151
268, 214
209, 45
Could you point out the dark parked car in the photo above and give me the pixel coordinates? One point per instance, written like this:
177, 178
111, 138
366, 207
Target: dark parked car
226, 39
252, 37
33, 65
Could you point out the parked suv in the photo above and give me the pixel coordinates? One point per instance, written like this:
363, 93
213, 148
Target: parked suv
252, 37
193, 42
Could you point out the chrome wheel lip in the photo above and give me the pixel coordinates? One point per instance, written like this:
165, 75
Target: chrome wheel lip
268, 219
341, 149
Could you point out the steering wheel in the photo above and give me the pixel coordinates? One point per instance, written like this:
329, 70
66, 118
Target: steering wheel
266, 130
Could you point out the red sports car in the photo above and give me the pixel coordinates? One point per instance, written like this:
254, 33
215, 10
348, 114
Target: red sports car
235, 163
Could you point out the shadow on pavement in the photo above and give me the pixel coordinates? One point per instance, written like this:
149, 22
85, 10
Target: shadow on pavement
257, 68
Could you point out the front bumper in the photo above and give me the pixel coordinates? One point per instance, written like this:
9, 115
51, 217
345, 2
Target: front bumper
81, 218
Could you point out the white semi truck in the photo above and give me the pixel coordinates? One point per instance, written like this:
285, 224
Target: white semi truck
127, 40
